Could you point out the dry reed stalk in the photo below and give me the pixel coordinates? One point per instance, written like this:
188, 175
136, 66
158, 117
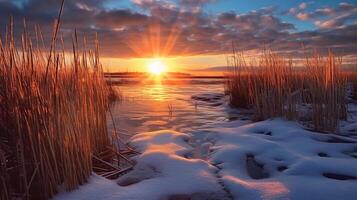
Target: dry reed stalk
271, 89
262, 85
274, 88
237, 84
327, 88
351, 76
4, 179
52, 116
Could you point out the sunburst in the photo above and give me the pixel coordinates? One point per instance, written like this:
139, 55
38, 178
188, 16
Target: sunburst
156, 67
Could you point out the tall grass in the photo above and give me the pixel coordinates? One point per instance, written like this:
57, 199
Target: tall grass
273, 87
327, 89
52, 115
352, 79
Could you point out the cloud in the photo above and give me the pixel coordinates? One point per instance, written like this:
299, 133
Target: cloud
328, 24
164, 28
303, 5
303, 16
327, 17
119, 18
346, 7
195, 2
152, 4
301, 8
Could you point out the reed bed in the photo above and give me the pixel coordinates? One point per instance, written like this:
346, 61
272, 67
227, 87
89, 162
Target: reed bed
273, 87
351, 75
53, 119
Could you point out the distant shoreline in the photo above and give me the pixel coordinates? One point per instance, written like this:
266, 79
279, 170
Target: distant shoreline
170, 75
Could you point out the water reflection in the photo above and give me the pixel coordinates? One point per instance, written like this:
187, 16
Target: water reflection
157, 92
151, 107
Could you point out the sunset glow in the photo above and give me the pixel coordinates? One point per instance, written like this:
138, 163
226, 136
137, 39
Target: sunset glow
178, 99
156, 67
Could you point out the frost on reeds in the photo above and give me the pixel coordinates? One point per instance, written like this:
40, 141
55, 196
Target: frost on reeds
272, 87
52, 115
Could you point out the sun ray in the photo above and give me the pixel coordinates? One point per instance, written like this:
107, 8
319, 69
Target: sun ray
156, 67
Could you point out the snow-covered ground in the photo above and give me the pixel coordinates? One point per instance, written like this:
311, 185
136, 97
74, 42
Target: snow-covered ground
272, 159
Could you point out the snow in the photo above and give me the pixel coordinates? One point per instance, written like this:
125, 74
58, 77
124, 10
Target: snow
164, 153
214, 165
276, 143
162, 171
272, 159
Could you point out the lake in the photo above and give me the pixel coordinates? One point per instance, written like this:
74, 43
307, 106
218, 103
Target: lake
187, 106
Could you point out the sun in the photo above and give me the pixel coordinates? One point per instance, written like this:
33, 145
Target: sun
156, 67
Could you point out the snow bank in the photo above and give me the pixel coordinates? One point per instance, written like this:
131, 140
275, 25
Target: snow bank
169, 170
273, 159
163, 171
296, 164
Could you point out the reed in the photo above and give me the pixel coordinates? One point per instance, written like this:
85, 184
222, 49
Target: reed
52, 114
273, 87
351, 75
327, 87
265, 85
238, 82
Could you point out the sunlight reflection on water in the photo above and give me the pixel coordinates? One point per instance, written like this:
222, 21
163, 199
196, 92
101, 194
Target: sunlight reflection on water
157, 92
151, 107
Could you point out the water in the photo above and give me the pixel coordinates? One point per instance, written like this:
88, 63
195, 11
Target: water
187, 107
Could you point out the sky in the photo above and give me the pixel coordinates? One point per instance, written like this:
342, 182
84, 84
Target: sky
195, 34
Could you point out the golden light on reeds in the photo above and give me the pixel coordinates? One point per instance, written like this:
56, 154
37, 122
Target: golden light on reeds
53, 122
273, 87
